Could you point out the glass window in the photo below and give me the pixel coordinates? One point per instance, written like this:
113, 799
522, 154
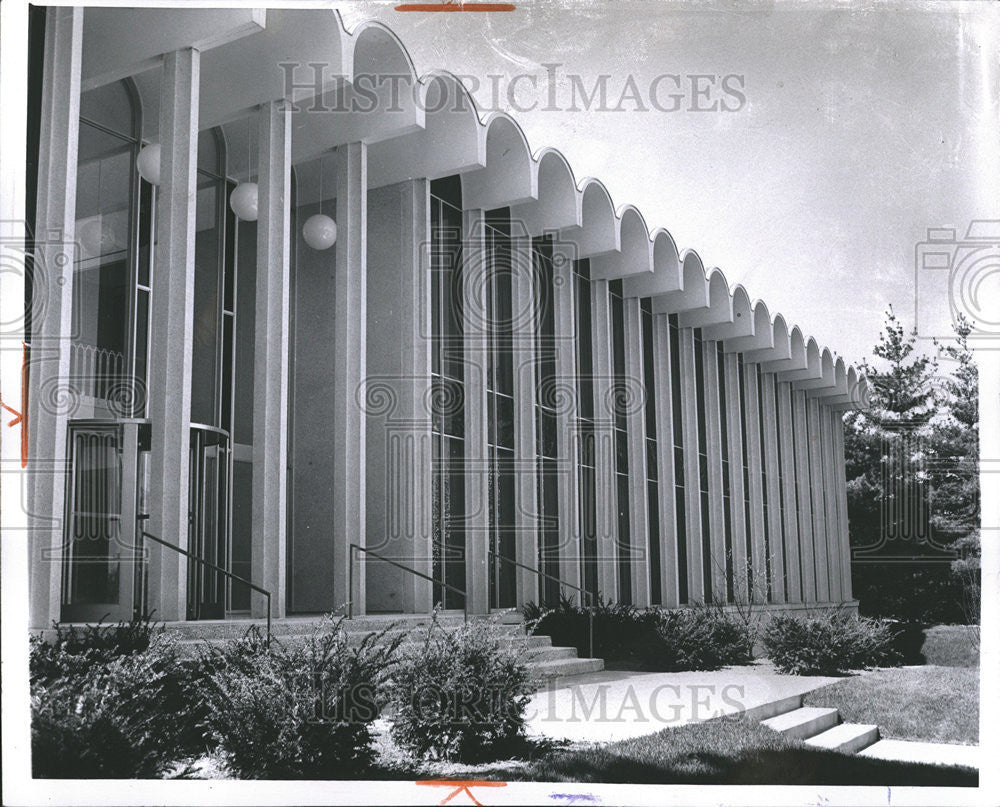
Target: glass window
447, 400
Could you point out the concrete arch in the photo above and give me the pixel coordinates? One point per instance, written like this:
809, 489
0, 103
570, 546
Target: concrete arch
694, 288
827, 373
720, 303
559, 204
381, 99
844, 400
599, 232
762, 336
452, 141
781, 348
510, 176
796, 357
666, 274
839, 386
636, 255
742, 323
315, 45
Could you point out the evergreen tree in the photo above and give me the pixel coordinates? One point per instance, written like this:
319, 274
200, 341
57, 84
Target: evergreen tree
955, 467
886, 445
891, 455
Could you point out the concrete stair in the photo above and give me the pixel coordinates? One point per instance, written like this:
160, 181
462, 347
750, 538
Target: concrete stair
816, 726
545, 663
847, 737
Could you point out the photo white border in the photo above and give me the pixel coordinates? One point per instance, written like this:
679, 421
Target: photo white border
19, 788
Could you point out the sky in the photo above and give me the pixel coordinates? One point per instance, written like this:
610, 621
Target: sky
850, 130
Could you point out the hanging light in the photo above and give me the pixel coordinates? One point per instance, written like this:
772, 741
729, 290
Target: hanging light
243, 201
320, 231
148, 163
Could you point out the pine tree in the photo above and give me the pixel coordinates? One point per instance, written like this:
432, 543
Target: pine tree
889, 454
885, 445
955, 467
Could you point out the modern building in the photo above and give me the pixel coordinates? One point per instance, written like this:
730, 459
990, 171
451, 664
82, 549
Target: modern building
494, 386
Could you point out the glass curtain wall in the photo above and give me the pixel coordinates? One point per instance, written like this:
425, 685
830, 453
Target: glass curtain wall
500, 409
585, 425
546, 398
448, 387
649, 379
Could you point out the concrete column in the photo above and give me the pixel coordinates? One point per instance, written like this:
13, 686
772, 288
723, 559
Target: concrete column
819, 515
804, 500
524, 323
270, 383
830, 502
415, 327
668, 537
740, 557
398, 423
757, 548
639, 565
475, 265
713, 433
171, 331
843, 532
604, 442
570, 529
692, 498
350, 368
786, 434
52, 297
769, 443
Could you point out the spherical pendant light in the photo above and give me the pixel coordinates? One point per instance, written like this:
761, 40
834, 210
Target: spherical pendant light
320, 231
243, 201
148, 163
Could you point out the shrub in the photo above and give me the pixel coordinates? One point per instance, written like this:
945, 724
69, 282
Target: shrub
461, 694
618, 631
103, 718
76, 648
302, 711
695, 639
828, 644
77, 654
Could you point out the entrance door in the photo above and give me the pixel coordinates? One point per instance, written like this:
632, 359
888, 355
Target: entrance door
101, 549
208, 531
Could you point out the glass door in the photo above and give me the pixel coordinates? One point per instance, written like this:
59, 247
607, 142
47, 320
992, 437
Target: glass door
208, 528
101, 549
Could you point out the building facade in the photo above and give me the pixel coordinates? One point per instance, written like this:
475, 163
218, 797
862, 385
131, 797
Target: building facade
493, 388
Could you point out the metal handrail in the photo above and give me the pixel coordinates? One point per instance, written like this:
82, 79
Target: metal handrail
350, 579
540, 573
218, 568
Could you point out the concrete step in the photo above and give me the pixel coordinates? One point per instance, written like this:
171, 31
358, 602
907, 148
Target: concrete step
969, 756
544, 671
847, 737
236, 628
806, 721
778, 707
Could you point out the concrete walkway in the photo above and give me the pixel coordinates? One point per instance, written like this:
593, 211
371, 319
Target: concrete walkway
928, 753
617, 705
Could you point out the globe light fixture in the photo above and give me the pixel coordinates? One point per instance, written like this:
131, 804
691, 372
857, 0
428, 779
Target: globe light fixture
148, 163
320, 231
243, 201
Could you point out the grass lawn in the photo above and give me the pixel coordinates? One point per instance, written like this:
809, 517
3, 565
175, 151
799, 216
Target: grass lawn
727, 751
937, 704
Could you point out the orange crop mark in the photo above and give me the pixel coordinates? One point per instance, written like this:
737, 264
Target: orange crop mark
19, 418
451, 5
460, 786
